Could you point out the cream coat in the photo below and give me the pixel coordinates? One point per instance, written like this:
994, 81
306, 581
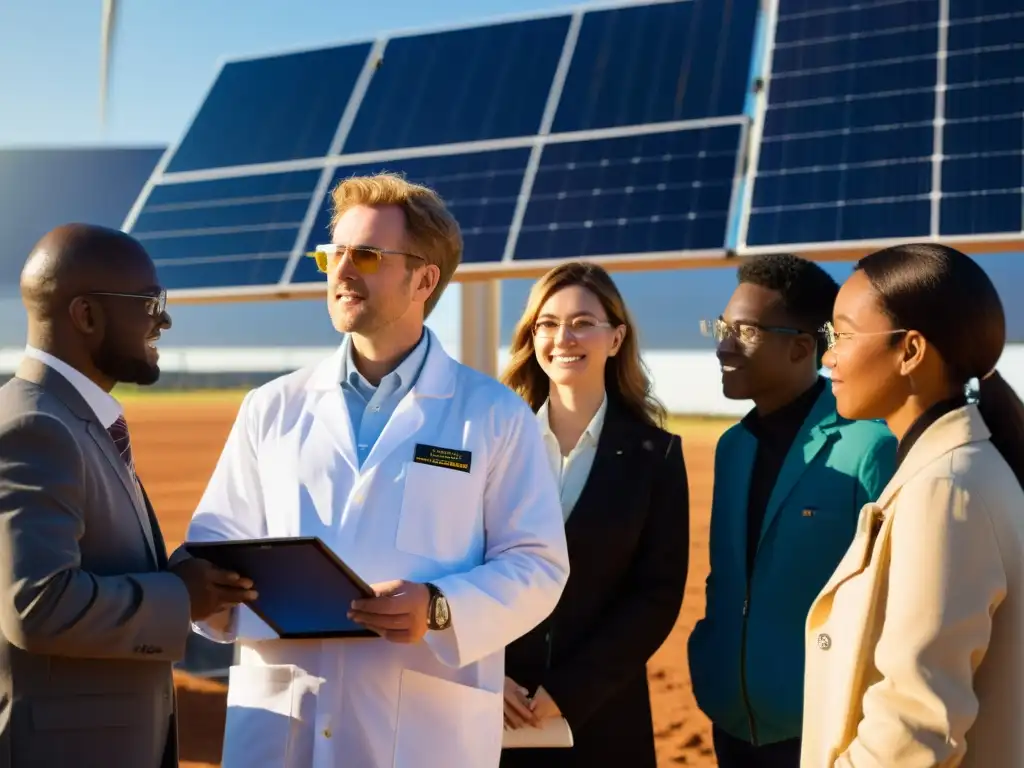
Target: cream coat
915, 647
491, 538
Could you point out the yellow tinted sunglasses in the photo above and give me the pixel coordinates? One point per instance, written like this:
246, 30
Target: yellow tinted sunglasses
366, 258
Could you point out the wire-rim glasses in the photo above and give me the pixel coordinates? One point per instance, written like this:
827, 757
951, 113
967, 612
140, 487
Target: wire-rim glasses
365, 258
745, 333
578, 327
156, 303
833, 337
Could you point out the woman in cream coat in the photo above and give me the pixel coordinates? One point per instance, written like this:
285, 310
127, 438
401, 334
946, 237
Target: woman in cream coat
915, 647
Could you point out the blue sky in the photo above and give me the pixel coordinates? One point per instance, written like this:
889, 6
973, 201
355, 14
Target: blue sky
167, 52
165, 57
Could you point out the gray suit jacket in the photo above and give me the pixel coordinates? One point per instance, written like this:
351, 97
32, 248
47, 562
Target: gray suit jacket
90, 620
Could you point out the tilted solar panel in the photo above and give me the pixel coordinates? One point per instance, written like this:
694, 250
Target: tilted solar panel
623, 132
225, 232
846, 148
269, 110
983, 133
636, 194
890, 119
461, 85
658, 63
614, 132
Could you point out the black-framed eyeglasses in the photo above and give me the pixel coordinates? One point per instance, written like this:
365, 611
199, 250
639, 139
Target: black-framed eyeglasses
745, 333
156, 303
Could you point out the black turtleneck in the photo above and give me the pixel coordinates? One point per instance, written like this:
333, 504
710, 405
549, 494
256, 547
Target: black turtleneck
925, 420
775, 433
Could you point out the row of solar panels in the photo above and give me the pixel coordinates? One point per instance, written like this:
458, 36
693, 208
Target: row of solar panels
628, 130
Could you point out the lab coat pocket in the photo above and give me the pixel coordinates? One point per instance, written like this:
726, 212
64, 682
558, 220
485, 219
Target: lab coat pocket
442, 724
270, 717
439, 517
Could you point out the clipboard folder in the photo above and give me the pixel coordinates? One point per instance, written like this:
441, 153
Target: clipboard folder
304, 588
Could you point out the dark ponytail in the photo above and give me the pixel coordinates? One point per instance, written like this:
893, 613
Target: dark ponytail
947, 297
1003, 412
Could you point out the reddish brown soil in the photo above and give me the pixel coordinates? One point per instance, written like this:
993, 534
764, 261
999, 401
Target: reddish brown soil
176, 445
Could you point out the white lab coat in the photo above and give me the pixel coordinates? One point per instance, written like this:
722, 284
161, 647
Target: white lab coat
492, 539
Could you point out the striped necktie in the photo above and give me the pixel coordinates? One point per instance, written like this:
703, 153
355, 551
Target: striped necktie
119, 434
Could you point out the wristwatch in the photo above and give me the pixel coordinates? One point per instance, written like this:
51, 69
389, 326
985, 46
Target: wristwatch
438, 615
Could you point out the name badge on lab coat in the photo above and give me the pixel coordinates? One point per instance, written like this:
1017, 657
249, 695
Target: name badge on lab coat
448, 458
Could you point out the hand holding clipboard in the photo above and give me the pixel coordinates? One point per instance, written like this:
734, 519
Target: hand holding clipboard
304, 590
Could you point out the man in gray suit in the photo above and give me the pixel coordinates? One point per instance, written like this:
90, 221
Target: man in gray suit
91, 615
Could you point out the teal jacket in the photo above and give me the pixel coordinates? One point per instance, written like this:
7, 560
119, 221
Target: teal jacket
747, 654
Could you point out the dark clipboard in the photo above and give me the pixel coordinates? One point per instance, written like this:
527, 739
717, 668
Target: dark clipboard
304, 588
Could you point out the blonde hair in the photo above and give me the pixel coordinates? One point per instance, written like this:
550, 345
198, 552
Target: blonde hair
432, 231
626, 378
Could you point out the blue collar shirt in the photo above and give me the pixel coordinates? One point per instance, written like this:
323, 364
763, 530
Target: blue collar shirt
371, 407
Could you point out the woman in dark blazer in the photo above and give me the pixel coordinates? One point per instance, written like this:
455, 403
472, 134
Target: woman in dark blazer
576, 360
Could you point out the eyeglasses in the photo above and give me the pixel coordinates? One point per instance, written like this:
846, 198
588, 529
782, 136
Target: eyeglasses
365, 258
579, 327
156, 303
833, 337
747, 334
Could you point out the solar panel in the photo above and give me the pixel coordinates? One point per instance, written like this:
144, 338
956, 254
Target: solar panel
272, 109
848, 133
891, 119
658, 63
613, 132
236, 231
460, 85
636, 194
635, 132
983, 136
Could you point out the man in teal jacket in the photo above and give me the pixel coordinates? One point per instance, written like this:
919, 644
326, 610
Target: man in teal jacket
790, 480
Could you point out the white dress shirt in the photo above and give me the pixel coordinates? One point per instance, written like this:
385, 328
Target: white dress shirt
103, 404
571, 471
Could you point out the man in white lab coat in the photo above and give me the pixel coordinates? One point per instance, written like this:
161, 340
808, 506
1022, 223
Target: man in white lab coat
465, 555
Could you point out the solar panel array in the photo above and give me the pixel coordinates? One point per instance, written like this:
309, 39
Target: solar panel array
628, 131
891, 119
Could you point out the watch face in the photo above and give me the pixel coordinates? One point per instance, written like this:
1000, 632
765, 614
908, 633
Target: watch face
441, 612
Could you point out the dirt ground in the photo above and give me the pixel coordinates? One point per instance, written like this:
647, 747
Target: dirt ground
176, 444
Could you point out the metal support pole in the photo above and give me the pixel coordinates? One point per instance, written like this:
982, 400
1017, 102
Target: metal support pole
481, 325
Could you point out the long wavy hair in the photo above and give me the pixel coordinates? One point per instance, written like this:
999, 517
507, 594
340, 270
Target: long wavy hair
627, 380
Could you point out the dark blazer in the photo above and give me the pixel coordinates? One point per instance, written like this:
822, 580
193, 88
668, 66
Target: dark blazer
628, 539
90, 620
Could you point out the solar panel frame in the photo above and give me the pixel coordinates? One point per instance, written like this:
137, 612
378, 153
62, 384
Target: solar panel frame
508, 266
986, 242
